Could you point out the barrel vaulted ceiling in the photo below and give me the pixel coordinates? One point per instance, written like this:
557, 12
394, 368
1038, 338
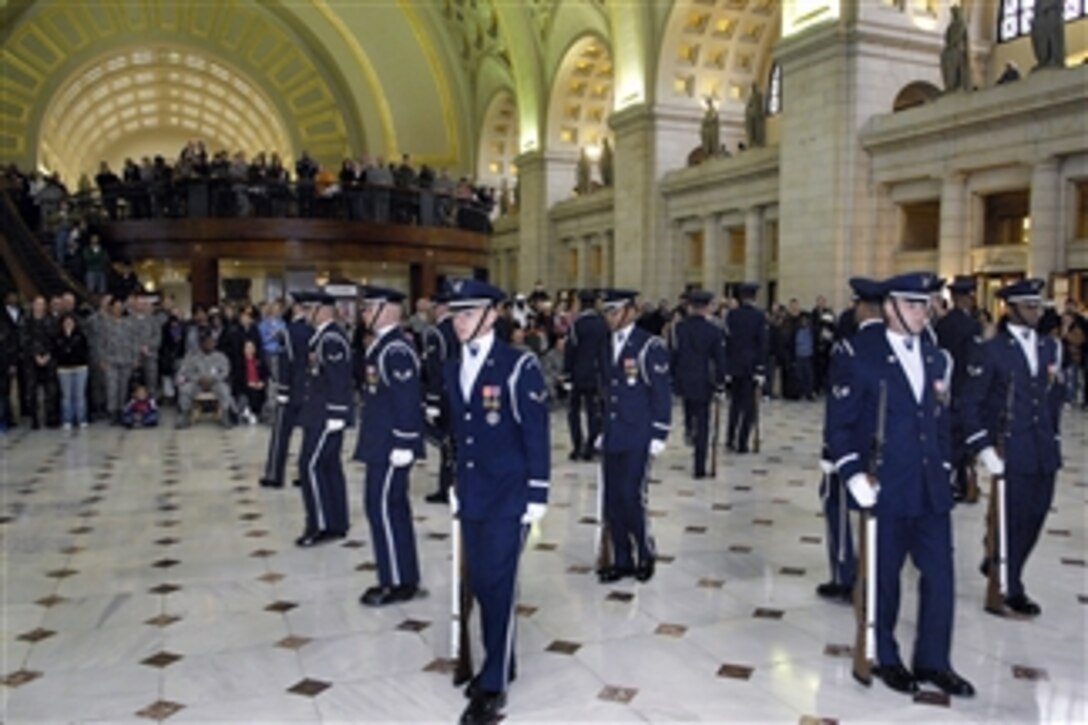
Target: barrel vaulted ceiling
440, 79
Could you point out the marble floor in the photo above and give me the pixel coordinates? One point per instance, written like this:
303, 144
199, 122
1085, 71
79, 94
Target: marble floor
146, 576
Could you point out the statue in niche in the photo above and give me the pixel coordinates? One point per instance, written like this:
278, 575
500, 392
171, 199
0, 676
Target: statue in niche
711, 130
517, 194
1048, 34
606, 164
956, 55
755, 119
583, 171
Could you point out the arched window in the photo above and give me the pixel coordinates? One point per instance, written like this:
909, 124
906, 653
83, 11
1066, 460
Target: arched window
1015, 16
774, 91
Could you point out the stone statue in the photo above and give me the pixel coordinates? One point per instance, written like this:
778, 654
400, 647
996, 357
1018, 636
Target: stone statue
606, 164
711, 130
1048, 34
504, 197
583, 185
755, 119
517, 194
956, 55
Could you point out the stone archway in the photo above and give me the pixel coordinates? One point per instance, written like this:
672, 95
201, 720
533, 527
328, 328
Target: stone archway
499, 142
581, 98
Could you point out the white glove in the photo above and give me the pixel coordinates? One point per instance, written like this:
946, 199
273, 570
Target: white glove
567, 385
864, 492
599, 442
534, 512
992, 461
759, 379
826, 467
401, 457
455, 504
432, 413
335, 425
656, 447
281, 399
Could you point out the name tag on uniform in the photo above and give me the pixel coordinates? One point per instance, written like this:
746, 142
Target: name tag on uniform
630, 370
492, 396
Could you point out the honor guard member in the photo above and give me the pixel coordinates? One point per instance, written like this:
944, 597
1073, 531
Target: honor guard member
499, 408
390, 440
582, 375
910, 493
1020, 357
698, 370
440, 345
293, 369
638, 412
868, 319
746, 356
958, 332
324, 413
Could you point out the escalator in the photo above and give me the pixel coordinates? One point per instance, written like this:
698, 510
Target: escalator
29, 265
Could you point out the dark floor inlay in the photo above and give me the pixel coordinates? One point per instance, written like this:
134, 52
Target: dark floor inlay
740, 549
671, 630
1031, 674
62, 573
694, 529
622, 695
166, 541
367, 566
811, 540
579, 569
839, 650
163, 620
620, 597
709, 583
546, 546
164, 589
160, 710
20, 677
165, 563
791, 571
308, 687
293, 642
764, 613
161, 659
270, 578
441, 665
413, 625
563, 647
526, 610
35, 635
722, 507
51, 601
263, 553
280, 607
353, 544
735, 672
932, 697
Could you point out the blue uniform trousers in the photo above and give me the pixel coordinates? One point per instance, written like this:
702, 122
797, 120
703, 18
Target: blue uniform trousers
492, 550
625, 480
1027, 502
742, 411
391, 530
928, 540
282, 425
698, 413
324, 491
840, 541
589, 399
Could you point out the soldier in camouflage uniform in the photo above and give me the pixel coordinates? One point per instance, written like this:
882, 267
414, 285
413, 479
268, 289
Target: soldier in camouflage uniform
93, 328
146, 331
118, 356
205, 370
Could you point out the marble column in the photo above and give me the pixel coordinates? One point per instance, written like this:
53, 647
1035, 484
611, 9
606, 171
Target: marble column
712, 266
1046, 250
583, 246
753, 248
542, 179
954, 246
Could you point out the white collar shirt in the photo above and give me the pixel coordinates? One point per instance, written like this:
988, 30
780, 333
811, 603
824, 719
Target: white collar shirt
473, 355
1025, 336
908, 349
619, 339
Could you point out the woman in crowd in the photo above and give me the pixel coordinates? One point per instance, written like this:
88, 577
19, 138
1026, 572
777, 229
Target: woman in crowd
72, 353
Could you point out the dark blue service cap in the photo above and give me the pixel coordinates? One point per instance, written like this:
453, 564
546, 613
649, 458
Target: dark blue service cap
465, 294
963, 285
867, 290
1026, 290
699, 298
618, 297
913, 286
370, 294
306, 297
747, 289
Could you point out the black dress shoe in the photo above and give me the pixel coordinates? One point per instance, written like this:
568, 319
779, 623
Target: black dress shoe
1023, 606
484, 708
269, 483
309, 538
947, 680
613, 574
297, 483
575, 455
645, 571
838, 592
589, 455
378, 596
472, 689
437, 497
897, 677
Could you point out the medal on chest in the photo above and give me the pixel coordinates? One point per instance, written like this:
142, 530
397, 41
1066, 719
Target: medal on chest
630, 370
372, 379
492, 397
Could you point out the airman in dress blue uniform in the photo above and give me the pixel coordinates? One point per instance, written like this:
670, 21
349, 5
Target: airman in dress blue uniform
910, 493
638, 415
440, 345
390, 440
293, 366
325, 412
698, 370
869, 321
958, 332
1030, 363
746, 360
499, 408
581, 372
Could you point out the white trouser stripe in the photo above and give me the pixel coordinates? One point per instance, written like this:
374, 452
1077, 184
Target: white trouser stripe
315, 490
394, 565
511, 623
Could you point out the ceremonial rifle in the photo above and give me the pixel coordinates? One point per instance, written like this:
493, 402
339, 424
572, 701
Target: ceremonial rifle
865, 588
757, 393
717, 435
604, 543
997, 561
